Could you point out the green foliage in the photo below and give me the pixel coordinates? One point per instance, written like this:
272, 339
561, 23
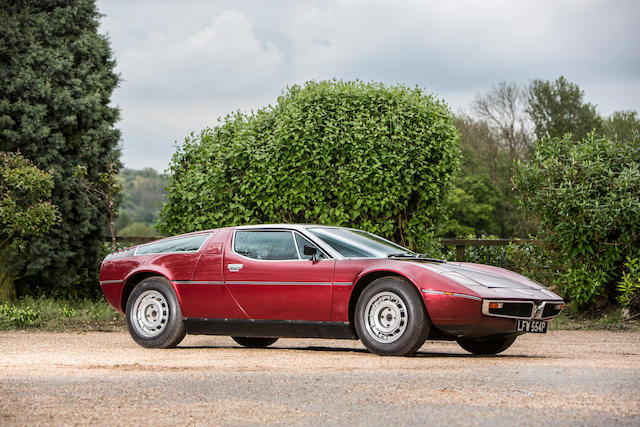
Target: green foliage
557, 108
586, 196
608, 318
138, 229
535, 262
67, 311
622, 125
51, 314
343, 153
629, 285
473, 205
483, 201
144, 194
493, 255
56, 81
24, 209
11, 316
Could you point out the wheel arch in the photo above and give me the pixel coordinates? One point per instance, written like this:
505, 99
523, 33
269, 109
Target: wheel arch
364, 281
132, 281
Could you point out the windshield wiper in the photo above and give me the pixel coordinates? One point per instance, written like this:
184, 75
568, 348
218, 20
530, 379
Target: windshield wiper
402, 255
421, 257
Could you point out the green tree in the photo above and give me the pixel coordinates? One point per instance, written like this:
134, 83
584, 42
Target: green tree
344, 153
622, 125
56, 80
484, 201
586, 196
24, 211
144, 193
473, 206
138, 229
557, 108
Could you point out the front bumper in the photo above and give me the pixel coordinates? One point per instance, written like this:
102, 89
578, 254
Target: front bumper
460, 316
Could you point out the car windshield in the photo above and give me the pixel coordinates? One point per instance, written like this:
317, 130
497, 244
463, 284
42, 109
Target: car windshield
357, 244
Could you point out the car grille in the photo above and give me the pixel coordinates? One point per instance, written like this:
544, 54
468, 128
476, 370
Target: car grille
521, 309
513, 309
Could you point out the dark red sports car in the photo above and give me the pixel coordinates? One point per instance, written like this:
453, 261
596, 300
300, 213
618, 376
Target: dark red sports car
261, 282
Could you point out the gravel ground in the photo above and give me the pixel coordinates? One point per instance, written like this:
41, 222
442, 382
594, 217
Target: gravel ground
563, 377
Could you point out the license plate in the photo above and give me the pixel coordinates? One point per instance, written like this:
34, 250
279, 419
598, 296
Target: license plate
533, 326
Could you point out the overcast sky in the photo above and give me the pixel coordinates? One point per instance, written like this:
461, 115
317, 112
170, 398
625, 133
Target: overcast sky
184, 63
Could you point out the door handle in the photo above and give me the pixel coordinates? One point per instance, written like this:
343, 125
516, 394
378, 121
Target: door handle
234, 267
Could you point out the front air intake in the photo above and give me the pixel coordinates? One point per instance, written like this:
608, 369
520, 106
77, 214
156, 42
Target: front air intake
510, 309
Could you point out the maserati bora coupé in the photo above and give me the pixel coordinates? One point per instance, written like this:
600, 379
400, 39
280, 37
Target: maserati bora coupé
261, 282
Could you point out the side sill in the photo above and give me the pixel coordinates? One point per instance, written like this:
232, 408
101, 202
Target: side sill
268, 328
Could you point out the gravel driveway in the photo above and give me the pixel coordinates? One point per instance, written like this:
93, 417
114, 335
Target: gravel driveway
563, 377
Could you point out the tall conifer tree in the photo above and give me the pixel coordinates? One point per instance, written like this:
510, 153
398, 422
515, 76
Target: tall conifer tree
56, 80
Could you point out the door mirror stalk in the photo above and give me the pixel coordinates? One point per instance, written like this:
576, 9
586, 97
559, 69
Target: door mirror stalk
311, 250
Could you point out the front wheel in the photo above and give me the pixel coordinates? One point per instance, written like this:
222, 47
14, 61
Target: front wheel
390, 317
154, 318
254, 342
487, 347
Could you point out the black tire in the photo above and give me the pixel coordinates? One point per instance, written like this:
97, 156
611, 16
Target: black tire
487, 347
254, 342
397, 323
154, 318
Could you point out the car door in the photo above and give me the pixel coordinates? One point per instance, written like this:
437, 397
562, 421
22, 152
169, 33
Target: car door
268, 274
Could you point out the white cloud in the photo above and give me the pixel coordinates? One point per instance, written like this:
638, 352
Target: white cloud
181, 70
448, 45
221, 58
184, 63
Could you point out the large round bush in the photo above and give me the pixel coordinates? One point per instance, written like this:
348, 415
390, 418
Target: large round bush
358, 154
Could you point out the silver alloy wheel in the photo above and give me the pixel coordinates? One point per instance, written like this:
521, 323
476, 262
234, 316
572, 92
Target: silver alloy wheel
150, 313
385, 317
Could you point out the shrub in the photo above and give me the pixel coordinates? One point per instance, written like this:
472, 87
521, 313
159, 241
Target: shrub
51, 314
493, 255
24, 212
534, 261
17, 316
586, 196
629, 285
342, 153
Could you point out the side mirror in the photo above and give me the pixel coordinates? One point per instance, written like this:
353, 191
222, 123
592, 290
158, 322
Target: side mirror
311, 250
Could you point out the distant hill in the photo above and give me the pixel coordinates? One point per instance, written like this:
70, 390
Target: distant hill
143, 195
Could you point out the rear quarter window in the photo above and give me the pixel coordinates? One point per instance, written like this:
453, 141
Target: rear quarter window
179, 244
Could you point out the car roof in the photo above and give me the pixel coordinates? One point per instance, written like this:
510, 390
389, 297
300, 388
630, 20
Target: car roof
288, 226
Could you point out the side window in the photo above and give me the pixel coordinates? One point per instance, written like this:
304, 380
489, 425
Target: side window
181, 244
301, 242
265, 244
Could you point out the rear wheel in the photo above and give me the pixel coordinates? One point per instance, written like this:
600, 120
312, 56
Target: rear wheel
254, 342
487, 347
390, 317
154, 318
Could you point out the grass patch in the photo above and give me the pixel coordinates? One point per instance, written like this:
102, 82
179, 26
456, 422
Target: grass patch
49, 314
609, 319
